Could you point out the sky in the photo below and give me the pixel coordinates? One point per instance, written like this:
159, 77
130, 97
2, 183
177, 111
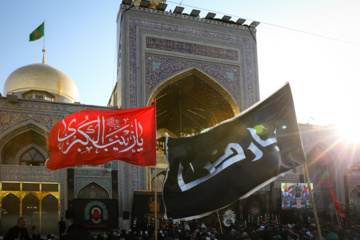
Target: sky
313, 45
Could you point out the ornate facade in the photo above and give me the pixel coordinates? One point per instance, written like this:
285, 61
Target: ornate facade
33, 104
202, 71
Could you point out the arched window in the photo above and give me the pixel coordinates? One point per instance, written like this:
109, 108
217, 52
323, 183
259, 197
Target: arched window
32, 157
93, 190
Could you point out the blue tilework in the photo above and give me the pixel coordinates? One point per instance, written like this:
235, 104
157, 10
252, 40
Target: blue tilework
170, 66
191, 48
237, 40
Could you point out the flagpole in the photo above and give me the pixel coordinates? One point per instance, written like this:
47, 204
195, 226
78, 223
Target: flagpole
337, 216
219, 221
155, 183
43, 59
312, 200
156, 205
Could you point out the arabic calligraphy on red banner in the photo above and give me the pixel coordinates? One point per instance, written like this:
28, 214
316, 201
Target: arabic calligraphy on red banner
93, 137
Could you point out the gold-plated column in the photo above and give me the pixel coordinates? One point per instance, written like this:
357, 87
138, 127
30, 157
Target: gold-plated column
21, 198
1, 198
40, 207
59, 203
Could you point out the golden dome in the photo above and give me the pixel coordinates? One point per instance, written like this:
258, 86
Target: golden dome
42, 77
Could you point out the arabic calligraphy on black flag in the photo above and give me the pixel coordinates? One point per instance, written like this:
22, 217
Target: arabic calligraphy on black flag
233, 159
93, 137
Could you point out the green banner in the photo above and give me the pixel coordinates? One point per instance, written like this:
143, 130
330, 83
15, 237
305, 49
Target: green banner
37, 33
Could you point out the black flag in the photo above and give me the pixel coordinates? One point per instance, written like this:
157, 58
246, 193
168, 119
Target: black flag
233, 159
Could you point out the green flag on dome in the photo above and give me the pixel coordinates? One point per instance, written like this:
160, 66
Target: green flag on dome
37, 33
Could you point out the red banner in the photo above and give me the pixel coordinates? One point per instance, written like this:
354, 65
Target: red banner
336, 202
93, 137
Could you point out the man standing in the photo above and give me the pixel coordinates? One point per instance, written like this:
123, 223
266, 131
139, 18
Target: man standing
62, 226
18, 232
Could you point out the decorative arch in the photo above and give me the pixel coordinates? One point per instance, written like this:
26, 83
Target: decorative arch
32, 157
160, 140
329, 149
50, 196
93, 190
355, 189
11, 203
320, 155
354, 197
254, 206
36, 201
31, 209
162, 133
190, 102
34, 146
49, 206
160, 178
9, 145
204, 77
20, 128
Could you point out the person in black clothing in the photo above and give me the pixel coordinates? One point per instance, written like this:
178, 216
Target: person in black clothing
76, 232
18, 232
62, 226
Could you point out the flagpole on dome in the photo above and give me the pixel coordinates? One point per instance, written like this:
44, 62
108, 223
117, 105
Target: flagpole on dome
36, 35
43, 59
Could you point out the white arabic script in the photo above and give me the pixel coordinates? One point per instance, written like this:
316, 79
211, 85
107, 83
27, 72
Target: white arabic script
100, 134
233, 153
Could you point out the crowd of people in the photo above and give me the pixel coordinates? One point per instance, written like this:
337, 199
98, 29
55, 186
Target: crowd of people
298, 230
301, 229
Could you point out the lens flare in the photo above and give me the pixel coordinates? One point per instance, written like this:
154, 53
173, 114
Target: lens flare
349, 132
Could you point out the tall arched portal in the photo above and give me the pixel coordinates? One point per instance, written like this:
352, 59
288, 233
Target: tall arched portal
10, 210
201, 71
186, 104
191, 102
31, 209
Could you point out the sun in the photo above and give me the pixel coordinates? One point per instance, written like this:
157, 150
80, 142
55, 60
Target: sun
349, 130
350, 134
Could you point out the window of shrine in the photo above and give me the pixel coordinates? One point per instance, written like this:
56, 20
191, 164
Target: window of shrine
39, 95
32, 157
